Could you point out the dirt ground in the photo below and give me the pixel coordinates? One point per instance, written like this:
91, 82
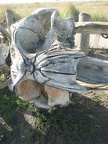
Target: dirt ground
84, 121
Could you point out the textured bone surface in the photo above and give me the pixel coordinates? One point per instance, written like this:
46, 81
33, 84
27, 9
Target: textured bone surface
44, 60
4, 51
58, 68
93, 70
57, 96
29, 33
28, 89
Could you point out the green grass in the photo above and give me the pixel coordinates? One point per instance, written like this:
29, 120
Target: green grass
97, 10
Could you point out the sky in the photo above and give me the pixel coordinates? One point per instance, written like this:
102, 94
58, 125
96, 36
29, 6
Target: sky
18, 1
29, 1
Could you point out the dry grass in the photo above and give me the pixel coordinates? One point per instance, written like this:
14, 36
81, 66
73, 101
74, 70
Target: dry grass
97, 10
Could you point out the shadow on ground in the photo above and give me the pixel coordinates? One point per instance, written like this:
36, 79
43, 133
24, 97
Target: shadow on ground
84, 121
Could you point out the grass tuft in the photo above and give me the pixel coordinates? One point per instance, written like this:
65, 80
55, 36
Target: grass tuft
69, 10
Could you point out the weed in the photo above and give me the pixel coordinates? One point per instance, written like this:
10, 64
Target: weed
8, 119
22, 104
31, 135
6, 103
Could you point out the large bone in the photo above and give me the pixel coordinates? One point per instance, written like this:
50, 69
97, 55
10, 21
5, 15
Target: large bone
45, 65
92, 70
51, 67
44, 61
